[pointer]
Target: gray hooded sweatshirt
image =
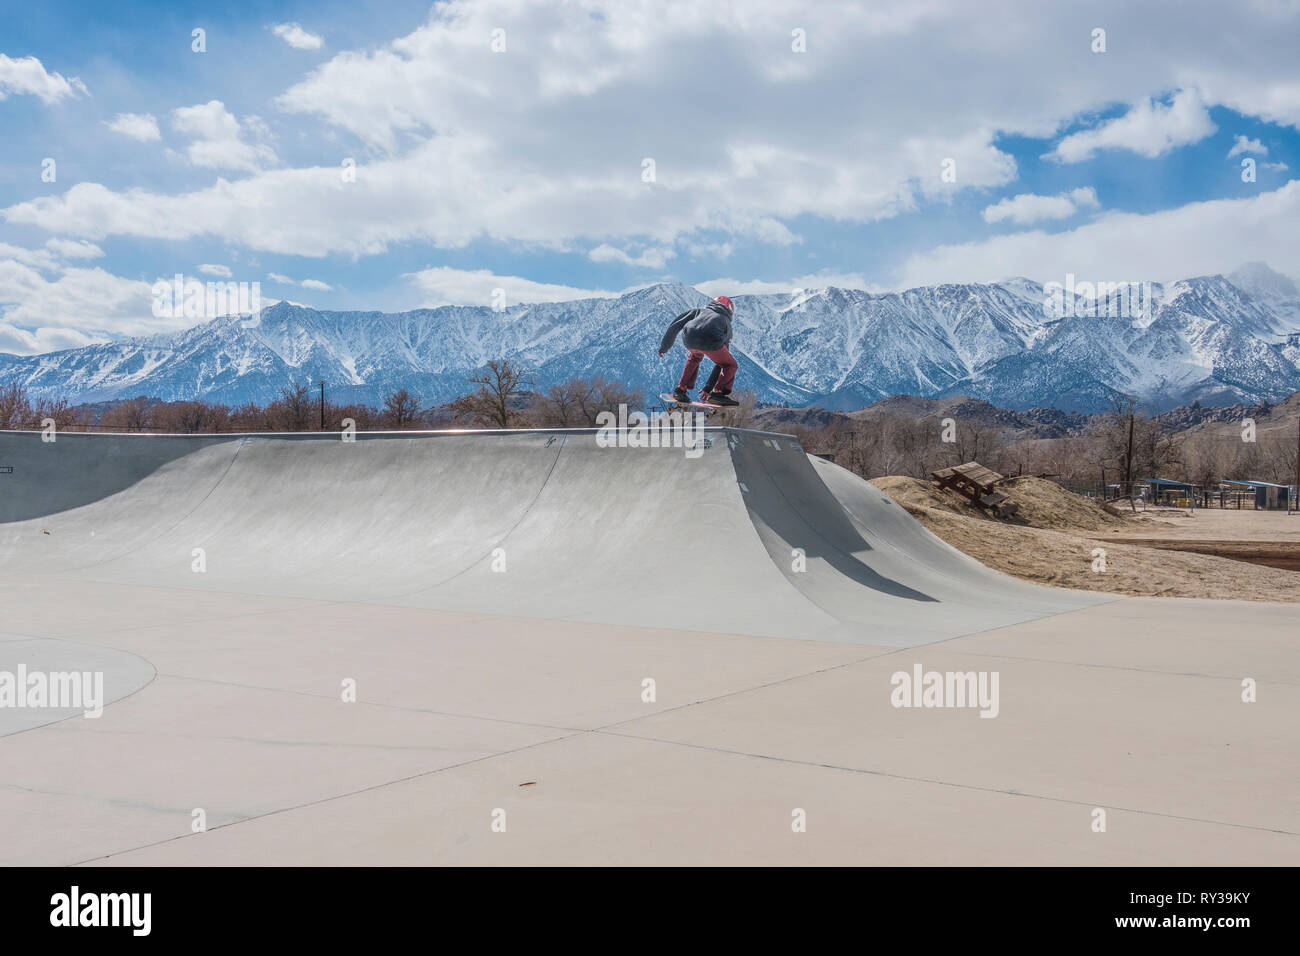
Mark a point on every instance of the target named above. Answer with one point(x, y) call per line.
point(705, 329)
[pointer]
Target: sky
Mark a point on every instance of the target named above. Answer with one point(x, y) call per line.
point(400, 155)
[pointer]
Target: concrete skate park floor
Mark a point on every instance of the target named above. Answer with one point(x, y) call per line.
point(472, 709)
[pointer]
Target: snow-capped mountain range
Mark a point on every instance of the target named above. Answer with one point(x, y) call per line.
point(1215, 339)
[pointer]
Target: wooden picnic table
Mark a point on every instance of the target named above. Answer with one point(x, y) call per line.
point(976, 483)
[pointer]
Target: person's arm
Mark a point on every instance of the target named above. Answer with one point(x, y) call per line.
point(675, 329)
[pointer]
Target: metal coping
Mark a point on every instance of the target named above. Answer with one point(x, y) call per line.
point(387, 433)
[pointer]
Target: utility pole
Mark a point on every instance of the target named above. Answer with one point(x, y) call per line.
point(322, 404)
point(1128, 458)
point(1297, 466)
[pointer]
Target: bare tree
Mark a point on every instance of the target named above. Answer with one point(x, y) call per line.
point(401, 409)
point(917, 443)
point(57, 411)
point(1063, 456)
point(1281, 452)
point(191, 417)
point(131, 415)
point(742, 416)
point(490, 404)
point(561, 406)
point(292, 411)
point(363, 417)
point(15, 409)
point(18, 411)
point(974, 442)
point(1202, 460)
point(248, 417)
point(577, 402)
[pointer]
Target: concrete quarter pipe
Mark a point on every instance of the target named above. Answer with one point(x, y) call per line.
point(746, 537)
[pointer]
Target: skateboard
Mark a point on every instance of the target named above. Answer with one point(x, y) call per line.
point(667, 398)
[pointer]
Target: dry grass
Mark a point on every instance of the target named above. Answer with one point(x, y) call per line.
point(1054, 536)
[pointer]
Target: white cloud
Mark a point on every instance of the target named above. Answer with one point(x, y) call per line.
point(139, 126)
point(305, 283)
point(1028, 208)
point(74, 249)
point(49, 259)
point(27, 75)
point(651, 258)
point(446, 286)
point(1244, 145)
point(1149, 129)
point(298, 38)
point(1196, 239)
point(538, 147)
point(221, 272)
point(218, 138)
point(79, 306)
point(18, 341)
point(1084, 196)
point(35, 258)
point(718, 250)
point(1274, 167)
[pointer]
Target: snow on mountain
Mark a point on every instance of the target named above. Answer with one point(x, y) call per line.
point(1211, 339)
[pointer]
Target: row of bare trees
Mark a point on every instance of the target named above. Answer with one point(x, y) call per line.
point(898, 445)
point(296, 408)
point(1124, 445)
point(502, 399)
point(17, 410)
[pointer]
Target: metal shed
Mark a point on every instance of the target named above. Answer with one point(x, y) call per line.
point(1166, 491)
point(1268, 496)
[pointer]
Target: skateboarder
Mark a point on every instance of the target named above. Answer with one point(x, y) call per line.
point(706, 333)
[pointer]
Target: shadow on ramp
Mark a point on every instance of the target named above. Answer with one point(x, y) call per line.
point(796, 509)
point(78, 468)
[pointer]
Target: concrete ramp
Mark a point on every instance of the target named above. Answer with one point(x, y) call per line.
point(745, 534)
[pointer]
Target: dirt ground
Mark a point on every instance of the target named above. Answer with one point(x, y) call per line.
point(1211, 524)
point(1058, 538)
point(1269, 538)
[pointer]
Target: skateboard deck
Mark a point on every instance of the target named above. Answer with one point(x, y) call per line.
point(674, 402)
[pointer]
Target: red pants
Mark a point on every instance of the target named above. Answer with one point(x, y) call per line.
point(720, 357)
